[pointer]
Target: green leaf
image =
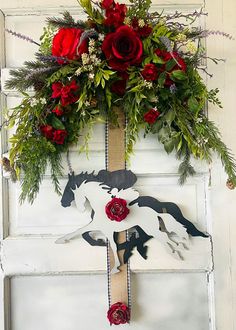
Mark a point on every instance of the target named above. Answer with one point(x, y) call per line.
point(169, 117)
point(162, 79)
point(157, 60)
point(178, 75)
point(169, 145)
point(193, 104)
point(56, 123)
point(170, 64)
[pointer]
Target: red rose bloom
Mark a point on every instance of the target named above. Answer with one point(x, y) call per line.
point(150, 72)
point(118, 313)
point(68, 94)
point(122, 48)
point(66, 44)
point(115, 15)
point(151, 116)
point(144, 31)
point(59, 136)
point(58, 111)
point(47, 131)
point(105, 4)
point(117, 209)
point(119, 87)
point(166, 56)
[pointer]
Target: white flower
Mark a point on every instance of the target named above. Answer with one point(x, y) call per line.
point(141, 23)
point(101, 37)
point(162, 21)
point(180, 37)
point(148, 84)
point(191, 47)
point(78, 71)
point(91, 75)
point(91, 42)
point(43, 101)
point(87, 104)
point(127, 21)
point(33, 102)
point(85, 58)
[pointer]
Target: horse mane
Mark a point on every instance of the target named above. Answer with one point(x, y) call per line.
point(121, 179)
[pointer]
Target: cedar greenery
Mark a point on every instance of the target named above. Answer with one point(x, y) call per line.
point(181, 127)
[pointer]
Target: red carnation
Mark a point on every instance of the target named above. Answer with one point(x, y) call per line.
point(66, 43)
point(47, 131)
point(149, 72)
point(58, 111)
point(144, 31)
point(151, 116)
point(122, 48)
point(119, 87)
point(105, 4)
point(167, 56)
point(59, 136)
point(118, 313)
point(68, 94)
point(117, 209)
point(115, 16)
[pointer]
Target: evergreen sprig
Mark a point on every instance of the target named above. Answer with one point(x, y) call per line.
point(67, 21)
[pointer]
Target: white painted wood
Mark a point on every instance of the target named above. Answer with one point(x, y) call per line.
point(40, 255)
point(32, 250)
point(84, 302)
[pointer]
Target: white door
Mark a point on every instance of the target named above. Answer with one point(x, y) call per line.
point(64, 287)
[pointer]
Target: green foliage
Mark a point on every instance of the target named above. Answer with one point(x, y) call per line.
point(178, 94)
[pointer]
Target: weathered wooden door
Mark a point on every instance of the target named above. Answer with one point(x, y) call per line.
point(63, 287)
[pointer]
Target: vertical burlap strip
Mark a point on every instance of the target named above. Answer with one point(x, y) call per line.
point(116, 161)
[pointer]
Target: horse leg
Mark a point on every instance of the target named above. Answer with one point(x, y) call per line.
point(77, 233)
point(151, 229)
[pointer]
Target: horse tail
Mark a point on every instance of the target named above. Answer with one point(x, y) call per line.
point(172, 209)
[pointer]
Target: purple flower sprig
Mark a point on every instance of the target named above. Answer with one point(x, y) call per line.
point(22, 36)
point(207, 33)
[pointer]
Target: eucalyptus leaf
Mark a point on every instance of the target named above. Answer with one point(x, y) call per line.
point(178, 75)
point(56, 123)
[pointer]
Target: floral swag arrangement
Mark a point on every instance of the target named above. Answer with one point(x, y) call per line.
point(146, 63)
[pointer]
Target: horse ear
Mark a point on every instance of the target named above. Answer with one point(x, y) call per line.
point(72, 175)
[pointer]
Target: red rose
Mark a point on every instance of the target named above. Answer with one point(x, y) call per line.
point(117, 209)
point(66, 44)
point(151, 116)
point(105, 4)
point(59, 136)
point(119, 87)
point(58, 111)
point(166, 56)
point(118, 313)
point(149, 72)
point(68, 94)
point(115, 16)
point(122, 48)
point(144, 31)
point(47, 131)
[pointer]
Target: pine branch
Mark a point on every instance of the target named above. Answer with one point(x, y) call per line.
point(56, 171)
point(185, 168)
point(66, 21)
point(227, 158)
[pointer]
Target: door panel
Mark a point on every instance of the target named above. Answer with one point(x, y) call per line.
point(58, 293)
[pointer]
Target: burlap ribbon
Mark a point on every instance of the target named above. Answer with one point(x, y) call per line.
point(116, 161)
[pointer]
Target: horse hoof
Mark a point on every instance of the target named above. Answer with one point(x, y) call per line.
point(115, 270)
point(61, 241)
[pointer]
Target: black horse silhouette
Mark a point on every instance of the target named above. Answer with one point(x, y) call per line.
point(121, 180)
